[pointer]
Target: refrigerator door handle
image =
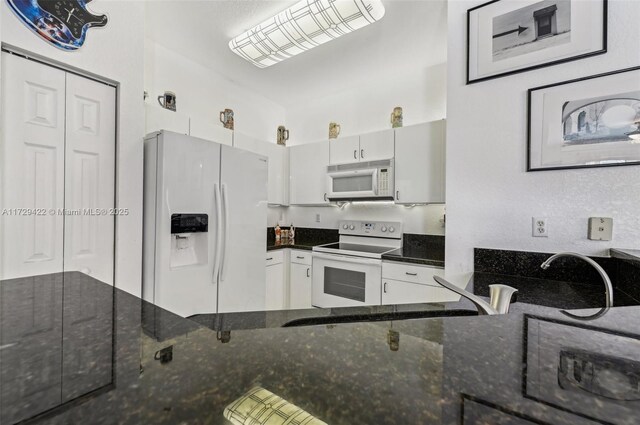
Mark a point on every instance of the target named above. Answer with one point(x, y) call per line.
point(218, 242)
point(225, 207)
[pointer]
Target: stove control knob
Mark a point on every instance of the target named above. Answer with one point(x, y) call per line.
point(352, 227)
point(383, 229)
point(345, 226)
point(392, 229)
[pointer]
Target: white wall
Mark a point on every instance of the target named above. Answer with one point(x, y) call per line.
point(202, 93)
point(114, 52)
point(490, 198)
point(367, 107)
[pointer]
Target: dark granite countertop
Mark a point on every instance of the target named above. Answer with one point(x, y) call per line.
point(408, 255)
point(305, 239)
point(74, 350)
point(550, 293)
point(419, 249)
point(292, 245)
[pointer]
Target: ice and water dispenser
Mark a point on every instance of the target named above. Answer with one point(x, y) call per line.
point(189, 239)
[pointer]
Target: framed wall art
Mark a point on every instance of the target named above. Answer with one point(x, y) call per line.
point(506, 37)
point(584, 123)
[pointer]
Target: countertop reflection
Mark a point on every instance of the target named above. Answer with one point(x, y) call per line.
point(74, 350)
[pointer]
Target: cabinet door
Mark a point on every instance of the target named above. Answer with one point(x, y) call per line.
point(308, 168)
point(275, 287)
point(378, 145)
point(300, 286)
point(276, 155)
point(344, 150)
point(90, 177)
point(398, 292)
point(420, 163)
point(31, 167)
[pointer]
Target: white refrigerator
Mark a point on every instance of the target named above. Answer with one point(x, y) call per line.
point(205, 219)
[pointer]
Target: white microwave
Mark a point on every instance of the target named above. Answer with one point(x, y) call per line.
point(372, 180)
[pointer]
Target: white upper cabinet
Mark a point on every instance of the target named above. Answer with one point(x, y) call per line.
point(420, 163)
point(378, 145)
point(308, 170)
point(278, 172)
point(210, 131)
point(366, 147)
point(344, 150)
point(157, 118)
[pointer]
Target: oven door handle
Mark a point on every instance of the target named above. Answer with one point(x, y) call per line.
point(346, 259)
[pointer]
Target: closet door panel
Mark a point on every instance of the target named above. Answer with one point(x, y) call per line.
point(90, 178)
point(31, 168)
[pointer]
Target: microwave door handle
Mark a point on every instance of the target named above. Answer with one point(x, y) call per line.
point(375, 182)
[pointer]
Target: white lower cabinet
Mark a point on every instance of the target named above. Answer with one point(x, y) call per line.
point(411, 284)
point(275, 281)
point(300, 280)
point(398, 292)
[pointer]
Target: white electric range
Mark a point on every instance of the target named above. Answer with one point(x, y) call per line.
point(349, 272)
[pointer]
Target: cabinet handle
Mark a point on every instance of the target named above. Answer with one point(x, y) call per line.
point(398, 195)
point(308, 270)
point(270, 258)
point(355, 154)
point(411, 274)
point(361, 153)
point(325, 196)
point(300, 257)
point(384, 288)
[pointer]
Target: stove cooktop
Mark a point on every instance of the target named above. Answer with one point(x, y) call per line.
point(354, 249)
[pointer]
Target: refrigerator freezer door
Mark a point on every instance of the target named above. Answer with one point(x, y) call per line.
point(244, 194)
point(188, 173)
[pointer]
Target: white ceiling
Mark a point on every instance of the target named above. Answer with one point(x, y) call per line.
point(410, 37)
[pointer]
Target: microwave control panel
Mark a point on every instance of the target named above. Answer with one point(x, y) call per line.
point(383, 182)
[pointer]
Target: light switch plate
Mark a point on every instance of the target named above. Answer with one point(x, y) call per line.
point(600, 228)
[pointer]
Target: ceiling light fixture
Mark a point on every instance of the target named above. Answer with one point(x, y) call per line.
point(306, 24)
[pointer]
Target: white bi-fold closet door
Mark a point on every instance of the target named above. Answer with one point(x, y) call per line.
point(57, 162)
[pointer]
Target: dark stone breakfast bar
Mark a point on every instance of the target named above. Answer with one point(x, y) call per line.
point(75, 350)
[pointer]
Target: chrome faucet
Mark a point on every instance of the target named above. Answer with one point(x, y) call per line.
point(500, 297)
point(608, 288)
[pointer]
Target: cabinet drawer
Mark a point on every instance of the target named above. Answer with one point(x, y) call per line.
point(410, 273)
point(274, 257)
point(301, 257)
point(397, 292)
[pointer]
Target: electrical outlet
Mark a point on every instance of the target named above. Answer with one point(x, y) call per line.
point(317, 218)
point(600, 228)
point(540, 229)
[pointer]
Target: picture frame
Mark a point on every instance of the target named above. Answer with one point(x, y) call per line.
point(506, 38)
point(562, 363)
point(585, 123)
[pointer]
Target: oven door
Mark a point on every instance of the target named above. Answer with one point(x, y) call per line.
point(345, 281)
point(353, 184)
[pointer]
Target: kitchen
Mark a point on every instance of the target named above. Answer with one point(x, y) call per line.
point(178, 54)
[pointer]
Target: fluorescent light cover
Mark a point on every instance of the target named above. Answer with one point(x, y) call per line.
point(303, 26)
